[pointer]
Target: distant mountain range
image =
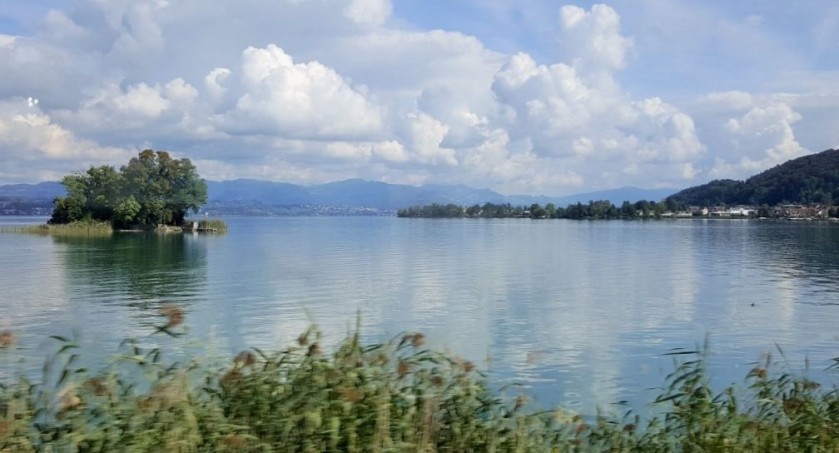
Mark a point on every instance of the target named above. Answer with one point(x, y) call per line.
point(40, 191)
point(383, 196)
point(253, 196)
point(809, 179)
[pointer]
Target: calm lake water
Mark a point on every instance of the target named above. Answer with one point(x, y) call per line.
point(581, 313)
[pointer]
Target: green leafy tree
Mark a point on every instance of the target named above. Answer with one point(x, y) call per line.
point(152, 189)
point(628, 211)
point(125, 213)
point(473, 211)
point(68, 209)
point(550, 208)
point(166, 188)
point(102, 189)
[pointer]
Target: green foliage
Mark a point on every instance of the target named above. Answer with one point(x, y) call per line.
point(397, 396)
point(433, 211)
point(594, 210)
point(152, 189)
point(207, 225)
point(812, 179)
point(68, 209)
point(126, 212)
point(216, 225)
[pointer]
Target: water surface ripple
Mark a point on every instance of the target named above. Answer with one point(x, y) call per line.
point(581, 313)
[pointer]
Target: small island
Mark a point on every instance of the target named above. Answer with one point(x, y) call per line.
point(153, 191)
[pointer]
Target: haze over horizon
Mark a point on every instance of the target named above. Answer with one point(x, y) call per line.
point(521, 97)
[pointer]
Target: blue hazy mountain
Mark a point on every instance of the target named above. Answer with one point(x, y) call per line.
point(41, 191)
point(356, 193)
point(380, 195)
point(618, 196)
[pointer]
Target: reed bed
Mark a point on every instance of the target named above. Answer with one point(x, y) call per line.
point(218, 225)
point(80, 228)
point(394, 397)
point(213, 225)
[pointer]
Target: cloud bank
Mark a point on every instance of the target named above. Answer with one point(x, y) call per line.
point(315, 90)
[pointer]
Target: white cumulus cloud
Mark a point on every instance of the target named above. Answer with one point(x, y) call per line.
point(593, 38)
point(29, 139)
point(764, 137)
point(308, 100)
point(372, 12)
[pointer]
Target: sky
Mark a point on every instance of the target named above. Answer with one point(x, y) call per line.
point(519, 96)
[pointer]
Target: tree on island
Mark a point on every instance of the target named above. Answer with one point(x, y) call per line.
point(152, 189)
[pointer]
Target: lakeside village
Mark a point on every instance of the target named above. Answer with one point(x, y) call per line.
point(786, 211)
point(605, 210)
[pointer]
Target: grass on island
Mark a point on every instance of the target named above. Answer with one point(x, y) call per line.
point(392, 397)
point(79, 228)
point(97, 228)
point(218, 226)
point(206, 225)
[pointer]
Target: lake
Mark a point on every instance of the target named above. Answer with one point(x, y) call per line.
point(581, 313)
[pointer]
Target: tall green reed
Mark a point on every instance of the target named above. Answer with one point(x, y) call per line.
point(397, 396)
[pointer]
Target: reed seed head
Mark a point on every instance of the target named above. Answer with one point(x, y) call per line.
point(402, 368)
point(758, 372)
point(7, 339)
point(417, 340)
point(174, 315)
point(5, 428)
point(166, 395)
point(314, 350)
point(97, 386)
point(351, 394)
point(245, 359)
point(68, 399)
point(810, 385)
point(521, 400)
point(751, 425)
point(234, 442)
point(231, 377)
point(791, 405)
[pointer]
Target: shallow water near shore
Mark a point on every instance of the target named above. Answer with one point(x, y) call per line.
point(580, 313)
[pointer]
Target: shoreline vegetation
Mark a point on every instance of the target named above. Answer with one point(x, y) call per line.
point(90, 227)
point(605, 210)
point(396, 396)
point(79, 228)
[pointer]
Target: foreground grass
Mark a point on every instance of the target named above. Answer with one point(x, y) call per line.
point(397, 396)
point(80, 228)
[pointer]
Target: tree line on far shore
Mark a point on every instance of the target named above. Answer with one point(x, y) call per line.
point(605, 210)
point(594, 210)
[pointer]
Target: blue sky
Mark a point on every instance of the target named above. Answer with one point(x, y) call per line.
point(523, 96)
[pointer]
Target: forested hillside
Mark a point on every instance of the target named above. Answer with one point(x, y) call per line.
point(809, 179)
